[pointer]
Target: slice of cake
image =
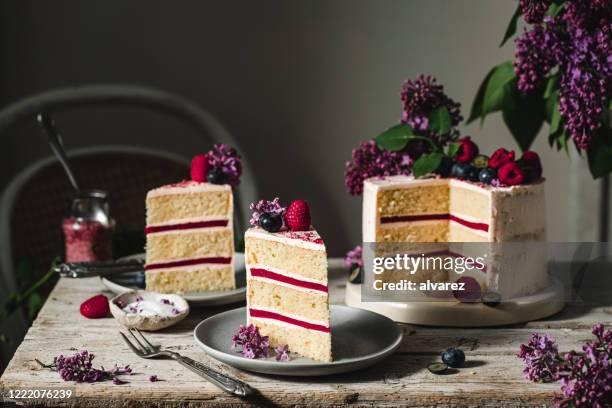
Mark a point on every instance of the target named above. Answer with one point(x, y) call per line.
point(189, 232)
point(287, 292)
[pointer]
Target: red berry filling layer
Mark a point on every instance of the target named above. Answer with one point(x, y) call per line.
point(189, 262)
point(186, 226)
point(432, 217)
point(264, 273)
point(264, 314)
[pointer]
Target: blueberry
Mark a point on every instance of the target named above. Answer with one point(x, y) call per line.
point(481, 161)
point(460, 170)
point(216, 176)
point(487, 175)
point(271, 222)
point(529, 171)
point(453, 357)
point(355, 274)
point(472, 174)
point(437, 368)
point(445, 167)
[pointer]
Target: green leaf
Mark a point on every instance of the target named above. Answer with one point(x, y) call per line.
point(525, 118)
point(555, 8)
point(550, 104)
point(476, 111)
point(552, 85)
point(495, 91)
point(555, 120)
point(511, 25)
point(599, 153)
point(427, 163)
point(453, 148)
point(395, 138)
point(440, 120)
point(498, 92)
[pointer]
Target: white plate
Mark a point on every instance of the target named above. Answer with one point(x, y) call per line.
point(360, 338)
point(127, 282)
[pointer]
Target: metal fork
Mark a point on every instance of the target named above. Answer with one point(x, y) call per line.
point(145, 349)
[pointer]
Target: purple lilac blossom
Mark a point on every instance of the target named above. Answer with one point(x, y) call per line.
point(153, 378)
point(577, 43)
point(228, 161)
point(354, 257)
point(79, 368)
point(253, 344)
point(420, 97)
point(282, 353)
point(368, 160)
point(586, 379)
point(541, 356)
point(265, 206)
point(534, 10)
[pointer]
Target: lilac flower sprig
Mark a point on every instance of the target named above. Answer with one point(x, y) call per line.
point(354, 257)
point(227, 160)
point(541, 357)
point(282, 353)
point(265, 206)
point(420, 97)
point(368, 160)
point(79, 368)
point(576, 42)
point(586, 378)
point(253, 344)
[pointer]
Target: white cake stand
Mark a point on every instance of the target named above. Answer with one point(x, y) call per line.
point(456, 314)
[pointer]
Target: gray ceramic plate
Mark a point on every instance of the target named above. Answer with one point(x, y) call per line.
point(359, 339)
point(130, 281)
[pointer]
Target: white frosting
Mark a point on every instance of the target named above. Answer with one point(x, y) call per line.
point(187, 187)
point(303, 239)
point(188, 220)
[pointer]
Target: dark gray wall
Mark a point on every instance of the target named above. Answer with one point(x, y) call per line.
point(297, 82)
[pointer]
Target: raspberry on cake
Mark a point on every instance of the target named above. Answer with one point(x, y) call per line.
point(287, 292)
point(190, 239)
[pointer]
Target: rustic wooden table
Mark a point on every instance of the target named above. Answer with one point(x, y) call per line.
point(492, 377)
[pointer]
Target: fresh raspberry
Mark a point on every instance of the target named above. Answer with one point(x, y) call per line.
point(199, 168)
point(511, 174)
point(500, 157)
point(471, 290)
point(532, 160)
point(95, 307)
point(467, 150)
point(297, 217)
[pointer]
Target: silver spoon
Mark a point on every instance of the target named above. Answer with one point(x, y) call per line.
point(57, 145)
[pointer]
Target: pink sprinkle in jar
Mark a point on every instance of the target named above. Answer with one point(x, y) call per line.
point(88, 228)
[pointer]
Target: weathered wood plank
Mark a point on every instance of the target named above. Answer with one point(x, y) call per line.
point(492, 378)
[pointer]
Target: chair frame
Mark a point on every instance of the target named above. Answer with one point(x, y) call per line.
point(109, 95)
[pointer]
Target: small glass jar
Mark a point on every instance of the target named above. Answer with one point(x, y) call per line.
point(88, 228)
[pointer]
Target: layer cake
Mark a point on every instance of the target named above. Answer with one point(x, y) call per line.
point(287, 290)
point(190, 240)
point(404, 209)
